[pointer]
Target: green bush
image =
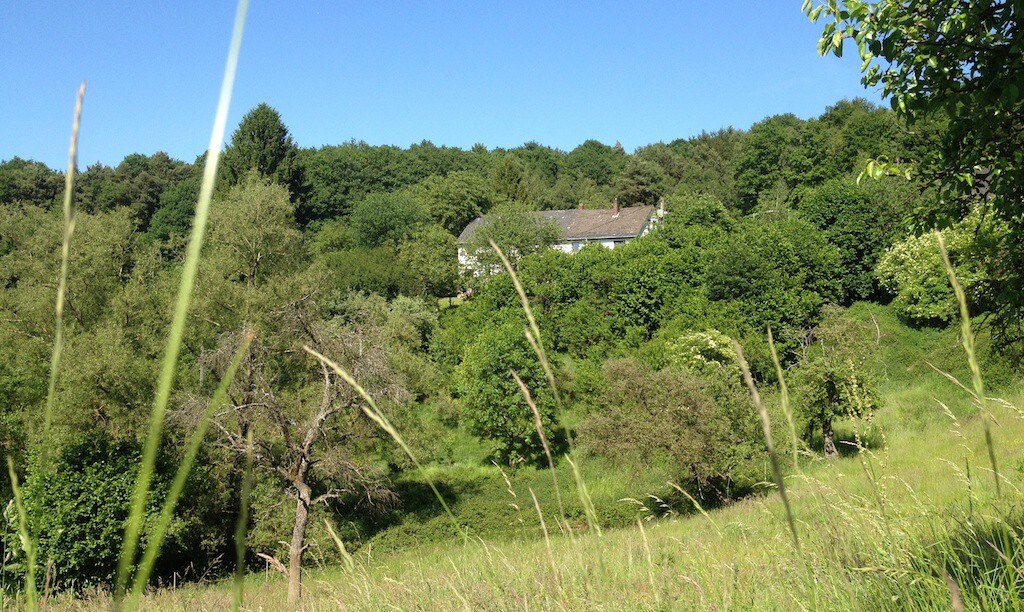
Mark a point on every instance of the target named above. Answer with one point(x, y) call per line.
point(492, 404)
point(913, 270)
point(77, 512)
point(704, 427)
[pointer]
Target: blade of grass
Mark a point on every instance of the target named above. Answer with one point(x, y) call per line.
point(766, 426)
point(241, 526)
point(697, 505)
point(156, 538)
point(186, 287)
point(547, 539)
point(350, 565)
point(972, 357)
point(535, 340)
point(27, 543)
point(371, 410)
point(585, 500)
point(65, 258)
point(539, 425)
point(784, 400)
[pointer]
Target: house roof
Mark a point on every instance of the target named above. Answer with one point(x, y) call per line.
point(586, 224)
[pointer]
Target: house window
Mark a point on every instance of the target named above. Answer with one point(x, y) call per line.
point(618, 243)
point(577, 245)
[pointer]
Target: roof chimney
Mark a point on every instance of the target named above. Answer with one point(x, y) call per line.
point(581, 205)
point(615, 212)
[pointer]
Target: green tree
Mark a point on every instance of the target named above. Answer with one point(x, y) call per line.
point(516, 231)
point(173, 216)
point(262, 143)
point(861, 228)
point(493, 405)
point(456, 199)
point(913, 271)
point(388, 217)
point(27, 181)
point(431, 260)
point(595, 161)
point(508, 179)
point(781, 272)
point(957, 62)
point(832, 381)
point(640, 183)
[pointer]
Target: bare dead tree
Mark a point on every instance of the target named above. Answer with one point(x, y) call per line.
point(308, 421)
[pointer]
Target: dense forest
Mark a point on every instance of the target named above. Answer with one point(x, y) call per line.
point(351, 250)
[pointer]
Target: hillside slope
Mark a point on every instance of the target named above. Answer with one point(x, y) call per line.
point(902, 524)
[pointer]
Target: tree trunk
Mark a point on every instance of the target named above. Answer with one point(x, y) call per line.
point(828, 436)
point(297, 546)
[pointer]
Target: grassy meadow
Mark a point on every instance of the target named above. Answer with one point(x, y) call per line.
point(908, 518)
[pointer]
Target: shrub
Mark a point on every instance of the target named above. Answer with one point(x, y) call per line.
point(77, 511)
point(860, 227)
point(781, 272)
point(384, 217)
point(705, 428)
point(913, 270)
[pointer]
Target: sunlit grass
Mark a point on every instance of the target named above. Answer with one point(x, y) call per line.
point(190, 268)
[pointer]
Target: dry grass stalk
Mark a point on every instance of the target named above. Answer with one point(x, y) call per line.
point(65, 261)
point(967, 337)
point(766, 426)
point(539, 424)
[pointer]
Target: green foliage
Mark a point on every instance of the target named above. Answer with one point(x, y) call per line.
point(77, 511)
point(261, 143)
point(913, 271)
point(254, 232)
point(173, 216)
point(952, 62)
point(456, 199)
point(709, 353)
point(595, 161)
point(705, 429)
point(27, 181)
point(860, 227)
point(641, 183)
point(490, 400)
point(781, 272)
point(516, 231)
point(387, 217)
point(833, 381)
point(431, 262)
point(508, 179)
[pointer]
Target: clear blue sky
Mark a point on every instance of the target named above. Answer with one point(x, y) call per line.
point(498, 73)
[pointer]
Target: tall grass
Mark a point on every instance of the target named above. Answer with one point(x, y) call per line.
point(766, 427)
point(242, 525)
point(163, 521)
point(186, 288)
point(28, 544)
point(967, 339)
point(65, 260)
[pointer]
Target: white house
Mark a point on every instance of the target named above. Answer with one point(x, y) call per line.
point(609, 227)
